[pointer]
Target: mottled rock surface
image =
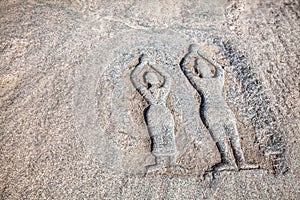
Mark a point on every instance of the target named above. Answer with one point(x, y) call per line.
point(74, 126)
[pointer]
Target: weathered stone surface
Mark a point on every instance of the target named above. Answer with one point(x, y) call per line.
point(149, 99)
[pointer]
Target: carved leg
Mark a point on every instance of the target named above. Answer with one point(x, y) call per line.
point(174, 166)
point(172, 160)
point(237, 149)
point(159, 166)
point(219, 136)
point(226, 163)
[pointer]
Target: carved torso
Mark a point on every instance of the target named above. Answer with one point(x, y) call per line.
point(213, 106)
point(158, 96)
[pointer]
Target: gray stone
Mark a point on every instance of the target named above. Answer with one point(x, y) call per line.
point(149, 99)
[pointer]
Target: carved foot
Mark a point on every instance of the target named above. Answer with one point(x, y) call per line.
point(224, 167)
point(178, 169)
point(155, 168)
point(245, 166)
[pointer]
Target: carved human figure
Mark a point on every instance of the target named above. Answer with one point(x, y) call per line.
point(214, 111)
point(158, 117)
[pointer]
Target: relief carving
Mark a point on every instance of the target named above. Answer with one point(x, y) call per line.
point(138, 115)
point(214, 111)
point(158, 117)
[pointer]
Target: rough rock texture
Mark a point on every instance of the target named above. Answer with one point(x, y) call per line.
point(71, 121)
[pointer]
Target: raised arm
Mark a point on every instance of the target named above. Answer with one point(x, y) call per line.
point(219, 70)
point(167, 78)
point(194, 79)
point(135, 81)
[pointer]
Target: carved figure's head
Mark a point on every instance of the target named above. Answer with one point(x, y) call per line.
point(203, 69)
point(150, 78)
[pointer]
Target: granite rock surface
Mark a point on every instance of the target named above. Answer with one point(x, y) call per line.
point(111, 99)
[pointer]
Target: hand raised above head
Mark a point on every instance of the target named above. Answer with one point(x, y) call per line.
point(144, 59)
point(193, 48)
